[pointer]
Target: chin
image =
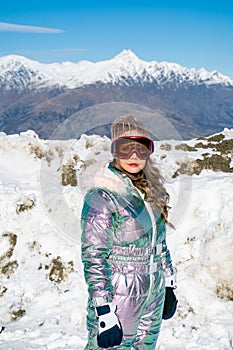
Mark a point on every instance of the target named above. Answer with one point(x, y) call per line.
point(133, 170)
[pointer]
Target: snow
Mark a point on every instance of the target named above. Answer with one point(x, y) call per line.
point(43, 294)
point(20, 72)
point(124, 68)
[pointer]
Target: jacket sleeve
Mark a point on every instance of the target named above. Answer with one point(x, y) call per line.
point(97, 222)
point(166, 261)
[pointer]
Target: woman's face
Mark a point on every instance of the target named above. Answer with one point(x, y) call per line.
point(133, 164)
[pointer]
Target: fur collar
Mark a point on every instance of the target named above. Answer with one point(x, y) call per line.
point(100, 176)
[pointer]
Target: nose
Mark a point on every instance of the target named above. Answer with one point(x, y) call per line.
point(134, 156)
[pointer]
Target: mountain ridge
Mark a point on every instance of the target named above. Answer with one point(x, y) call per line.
point(116, 70)
point(41, 96)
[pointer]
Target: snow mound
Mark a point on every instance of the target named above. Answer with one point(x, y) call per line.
point(43, 293)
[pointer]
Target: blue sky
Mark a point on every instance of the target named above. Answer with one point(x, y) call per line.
point(193, 33)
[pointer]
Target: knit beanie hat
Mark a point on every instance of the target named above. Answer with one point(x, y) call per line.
point(128, 126)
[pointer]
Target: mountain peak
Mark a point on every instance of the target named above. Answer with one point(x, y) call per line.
point(126, 53)
point(16, 59)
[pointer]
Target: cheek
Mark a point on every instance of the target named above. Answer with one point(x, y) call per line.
point(122, 163)
point(143, 163)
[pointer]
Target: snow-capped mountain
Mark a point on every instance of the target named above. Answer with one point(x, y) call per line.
point(124, 68)
point(42, 96)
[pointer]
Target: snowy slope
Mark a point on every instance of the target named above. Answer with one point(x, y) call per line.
point(17, 72)
point(124, 68)
point(42, 290)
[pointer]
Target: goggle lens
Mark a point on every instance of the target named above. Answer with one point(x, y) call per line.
point(125, 147)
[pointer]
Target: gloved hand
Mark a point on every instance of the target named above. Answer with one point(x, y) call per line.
point(170, 303)
point(110, 332)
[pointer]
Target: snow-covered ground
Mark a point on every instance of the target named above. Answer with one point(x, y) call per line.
point(42, 290)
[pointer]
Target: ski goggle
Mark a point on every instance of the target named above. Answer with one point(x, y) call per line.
point(124, 147)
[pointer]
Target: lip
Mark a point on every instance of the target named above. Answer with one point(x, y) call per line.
point(133, 164)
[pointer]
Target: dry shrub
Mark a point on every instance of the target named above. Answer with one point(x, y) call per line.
point(185, 147)
point(24, 205)
point(224, 291)
point(40, 152)
point(68, 174)
point(17, 312)
point(165, 147)
point(8, 266)
point(58, 271)
point(214, 162)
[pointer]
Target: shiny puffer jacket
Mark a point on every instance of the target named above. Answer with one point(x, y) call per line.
point(125, 258)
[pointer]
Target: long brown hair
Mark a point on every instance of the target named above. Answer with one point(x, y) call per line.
point(150, 182)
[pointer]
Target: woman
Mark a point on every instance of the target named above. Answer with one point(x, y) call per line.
point(127, 264)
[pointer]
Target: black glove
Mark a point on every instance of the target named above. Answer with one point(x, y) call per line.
point(110, 332)
point(170, 303)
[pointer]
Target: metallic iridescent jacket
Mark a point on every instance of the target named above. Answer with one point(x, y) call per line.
point(117, 253)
